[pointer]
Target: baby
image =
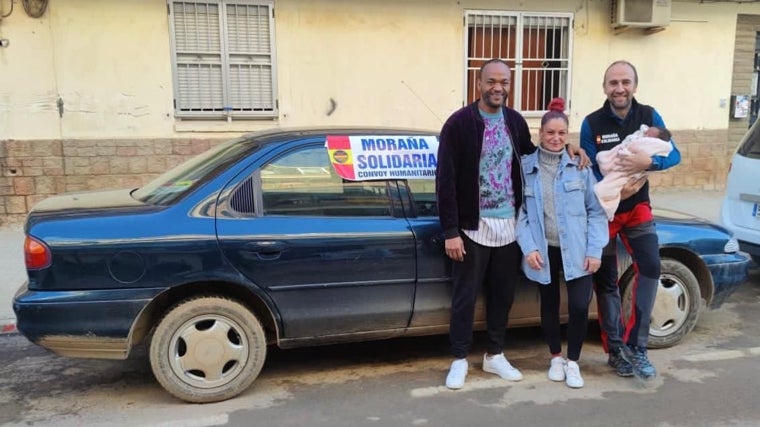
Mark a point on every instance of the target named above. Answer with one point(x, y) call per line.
point(655, 141)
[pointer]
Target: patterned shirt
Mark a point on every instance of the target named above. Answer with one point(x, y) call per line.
point(496, 226)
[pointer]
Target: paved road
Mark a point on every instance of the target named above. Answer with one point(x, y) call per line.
point(710, 379)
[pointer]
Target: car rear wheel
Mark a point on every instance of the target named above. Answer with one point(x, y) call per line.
point(207, 349)
point(676, 307)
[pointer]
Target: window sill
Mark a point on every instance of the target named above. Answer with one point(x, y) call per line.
point(240, 125)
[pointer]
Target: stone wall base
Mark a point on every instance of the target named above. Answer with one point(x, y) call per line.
point(33, 170)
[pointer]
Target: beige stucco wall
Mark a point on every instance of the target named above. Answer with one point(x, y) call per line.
point(390, 62)
point(106, 60)
point(383, 62)
point(685, 70)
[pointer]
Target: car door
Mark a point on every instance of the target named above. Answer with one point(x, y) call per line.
point(433, 298)
point(334, 256)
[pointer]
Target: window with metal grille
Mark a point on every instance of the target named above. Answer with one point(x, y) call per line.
point(537, 46)
point(223, 58)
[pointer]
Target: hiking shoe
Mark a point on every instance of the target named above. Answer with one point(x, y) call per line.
point(557, 369)
point(457, 374)
point(622, 367)
point(573, 377)
point(498, 364)
point(637, 357)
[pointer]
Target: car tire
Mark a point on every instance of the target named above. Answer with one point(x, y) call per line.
point(676, 307)
point(207, 349)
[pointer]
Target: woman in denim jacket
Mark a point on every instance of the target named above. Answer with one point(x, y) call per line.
point(561, 227)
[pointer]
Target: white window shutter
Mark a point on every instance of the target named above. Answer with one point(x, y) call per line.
point(250, 58)
point(223, 59)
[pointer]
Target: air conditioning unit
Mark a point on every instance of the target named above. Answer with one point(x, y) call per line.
point(640, 13)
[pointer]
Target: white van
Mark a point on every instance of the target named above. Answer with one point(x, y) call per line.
point(740, 211)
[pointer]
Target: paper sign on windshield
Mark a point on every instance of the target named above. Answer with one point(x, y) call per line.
point(361, 158)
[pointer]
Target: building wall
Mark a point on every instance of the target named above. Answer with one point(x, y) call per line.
point(743, 68)
point(86, 90)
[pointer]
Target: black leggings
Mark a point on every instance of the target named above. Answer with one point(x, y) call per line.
point(578, 300)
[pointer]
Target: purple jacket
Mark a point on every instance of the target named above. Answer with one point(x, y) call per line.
point(458, 172)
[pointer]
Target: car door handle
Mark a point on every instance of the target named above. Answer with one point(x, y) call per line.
point(266, 250)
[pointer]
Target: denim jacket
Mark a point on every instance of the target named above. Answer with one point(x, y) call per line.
point(582, 224)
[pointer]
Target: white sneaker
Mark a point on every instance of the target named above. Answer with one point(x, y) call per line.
point(557, 368)
point(573, 377)
point(499, 365)
point(457, 374)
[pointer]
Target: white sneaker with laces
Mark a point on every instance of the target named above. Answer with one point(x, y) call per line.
point(557, 368)
point(457, 374)
point(573, 377)
point(498, 364)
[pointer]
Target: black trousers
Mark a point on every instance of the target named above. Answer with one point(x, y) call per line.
point(496, 271)
point(578, 299)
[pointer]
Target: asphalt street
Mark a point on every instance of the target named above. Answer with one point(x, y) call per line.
point(708, 380)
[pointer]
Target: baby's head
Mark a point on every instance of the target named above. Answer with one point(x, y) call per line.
point(658, 132)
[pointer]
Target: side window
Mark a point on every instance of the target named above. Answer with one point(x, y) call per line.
point(303, 183)
point(243, 199)
point(423, 196)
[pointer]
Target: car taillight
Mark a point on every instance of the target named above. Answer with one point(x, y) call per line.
point(36, 253)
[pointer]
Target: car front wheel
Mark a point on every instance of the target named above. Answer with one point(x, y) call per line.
point(207, 349)
point(676, 307)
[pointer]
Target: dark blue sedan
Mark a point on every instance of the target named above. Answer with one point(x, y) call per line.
point(266, 240)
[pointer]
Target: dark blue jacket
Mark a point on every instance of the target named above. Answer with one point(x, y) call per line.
point(457, 176)
point(602, 130)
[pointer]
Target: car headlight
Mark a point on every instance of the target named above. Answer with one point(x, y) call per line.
point(731, 246)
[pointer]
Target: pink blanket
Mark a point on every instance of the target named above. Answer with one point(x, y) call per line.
point(608, 189)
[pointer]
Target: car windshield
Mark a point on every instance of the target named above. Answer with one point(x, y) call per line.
point(173, 184)
point(750, 145)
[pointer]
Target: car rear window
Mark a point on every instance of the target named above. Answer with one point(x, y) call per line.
point(178, 181)
point(750, 144)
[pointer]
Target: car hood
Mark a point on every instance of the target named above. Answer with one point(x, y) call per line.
point(674, 217)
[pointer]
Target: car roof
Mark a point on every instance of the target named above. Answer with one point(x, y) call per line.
point(284, 134)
